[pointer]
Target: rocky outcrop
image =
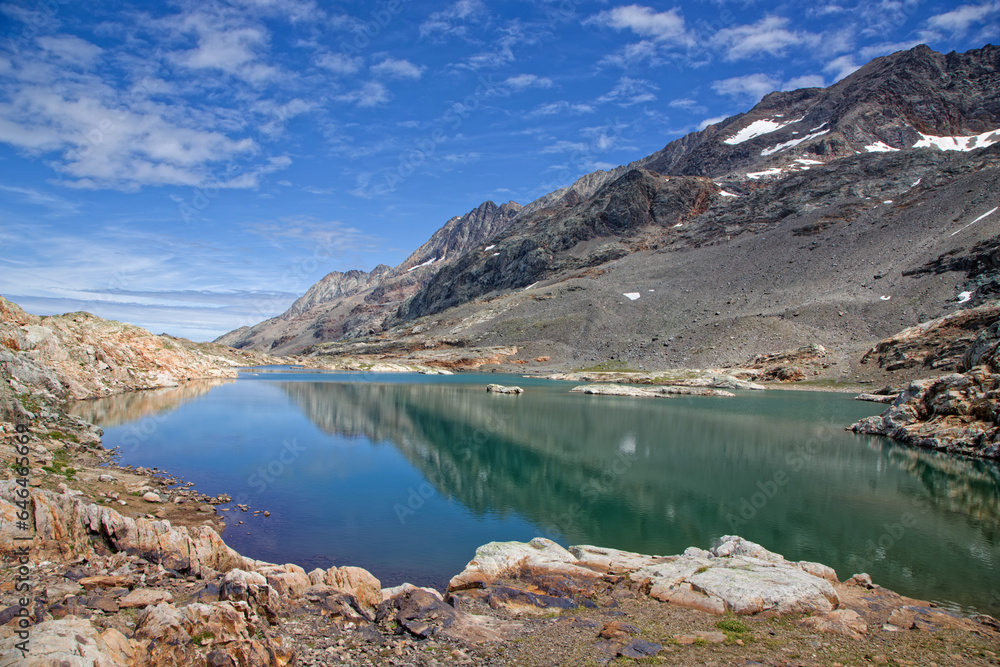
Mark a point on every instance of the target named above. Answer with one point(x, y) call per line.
point(66, 527)
point(957, 413)
point(655, 392)
point(937, 345)
point(79, 355)
point(740, 577)
point(736, 576)
point(501, 389)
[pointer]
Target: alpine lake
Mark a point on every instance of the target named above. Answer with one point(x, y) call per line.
point(405, 475)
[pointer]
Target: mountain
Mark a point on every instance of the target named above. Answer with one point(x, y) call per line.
point(358, 302)
point(831, 215)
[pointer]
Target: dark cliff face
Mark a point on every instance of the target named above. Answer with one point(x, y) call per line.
point(588, 234)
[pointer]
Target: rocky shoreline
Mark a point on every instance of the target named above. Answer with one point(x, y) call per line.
point(126, 566)
point(107, 589)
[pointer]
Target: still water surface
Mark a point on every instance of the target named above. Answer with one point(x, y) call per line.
point(406, 475)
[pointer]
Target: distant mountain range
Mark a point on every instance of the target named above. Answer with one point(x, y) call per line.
point(834, 215)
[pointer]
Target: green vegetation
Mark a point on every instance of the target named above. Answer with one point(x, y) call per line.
point(204, 638)
point(59, 435)
point(733, 625)
point(60, 459)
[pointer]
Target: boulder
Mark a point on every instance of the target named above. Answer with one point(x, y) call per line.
point(172, 636)
point(357, 582)
point(143, 597)
point(290, 581)
point(425, 615)
point(612, 561)
point(71, 642)
point(846, 622)
point(252, 588)
point(500, 389)
point(497, 560)
point(742, 577)
point(616, 390)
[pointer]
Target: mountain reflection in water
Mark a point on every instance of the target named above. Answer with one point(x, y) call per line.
point(654, 476)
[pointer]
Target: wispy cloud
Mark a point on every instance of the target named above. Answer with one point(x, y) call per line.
point(522, 81)
point(644, 21)
point(964, 19)
point(339, 63)
point(397, 69)
point(769, 36)
point(561, 107)
point(56, 204)
point(628, 92)
point(748, 88)
point(370, 94)
point(453, 20)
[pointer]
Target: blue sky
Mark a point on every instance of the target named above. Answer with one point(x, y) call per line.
point(194, 166)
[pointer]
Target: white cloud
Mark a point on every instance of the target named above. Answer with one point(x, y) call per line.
point(451, 21)
point(70, 48)
point(56, 204)
point(522, 81)
point(628, 92)
point(961, 19)
point(751, 87)
point(225, 44)
point(397, 69)
point(565, 147)
point(370, 94)
point(339, 63)
point(462, 158)
point(842, 67)
point(683, 103)
point(769, 36)
point(665, 26)
point(633, 55)
point(561, 107)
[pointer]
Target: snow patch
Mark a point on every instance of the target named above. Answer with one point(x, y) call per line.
point(804, 161)
point(489, 247)
point(793, 142)
point(964, 296)
point(959, 143)
point(916, 182)
point(816, 129)
point(531, 285)
point(773, 171)
point(632, 296)
point(887, 201)
point(427, 263)
point(679, 224)
point(885, 298)
point(756, 129)
point(984, 215)
point(880, 147)
point(727, 194)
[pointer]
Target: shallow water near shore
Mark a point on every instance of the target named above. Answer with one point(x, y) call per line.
point(405, 475)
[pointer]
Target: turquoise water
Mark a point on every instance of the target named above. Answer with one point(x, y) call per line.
point(405, 475)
